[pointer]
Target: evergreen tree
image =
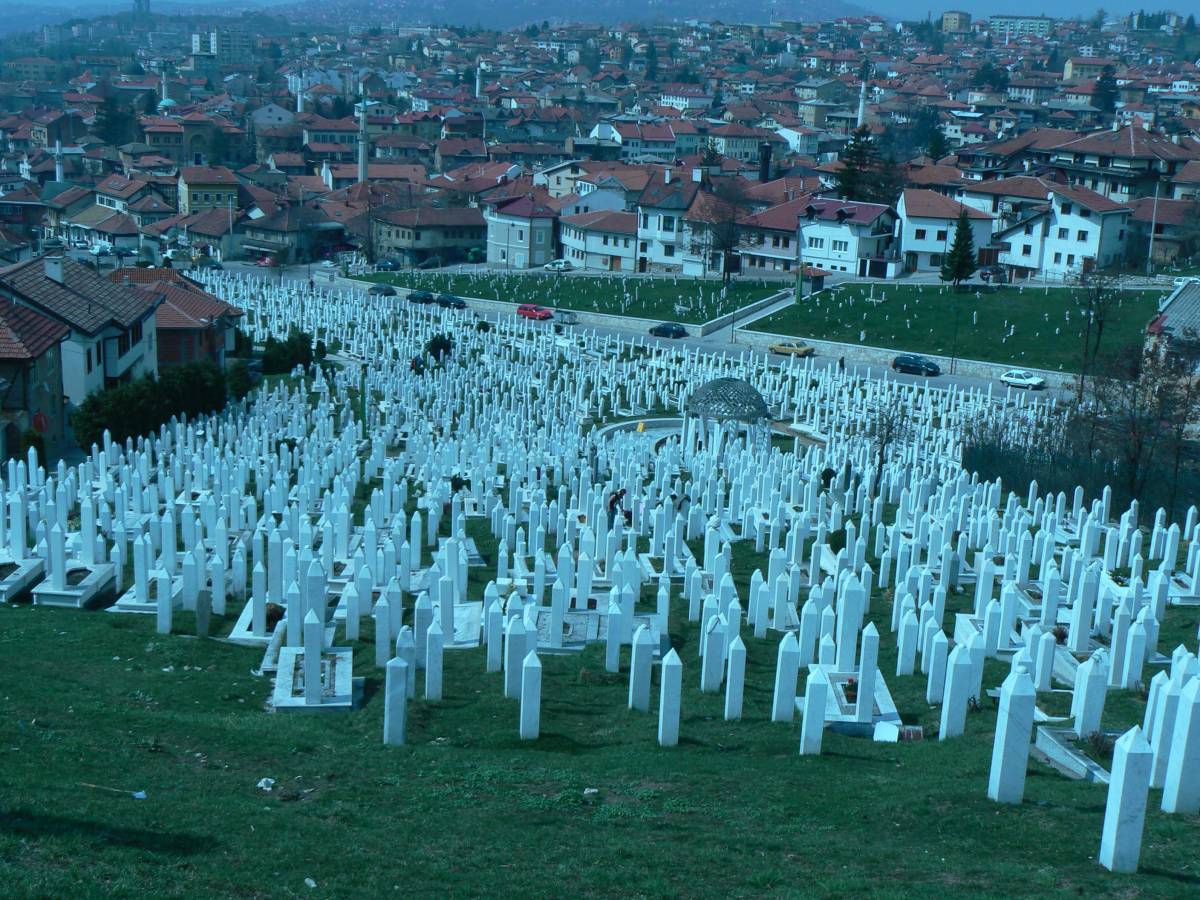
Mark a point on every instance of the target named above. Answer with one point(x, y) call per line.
point(884, 182)
point(652, 61)
point(1105, 98)
point(959, 264)
point(938, 145)
point(113, 122)
point(858, 160)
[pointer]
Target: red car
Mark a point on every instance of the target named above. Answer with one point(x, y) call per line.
point(533, 311)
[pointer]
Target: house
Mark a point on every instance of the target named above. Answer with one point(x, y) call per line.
point(31, 396)
point(601, 239)
point(928, 222)
point(520, 231)
point(1077, 232)
point(206, 187)
point(192, 324)
point(291, 234)
point(661, 208)
point(846, 236)
point(413, 236)
point(1167, 230)
point(112, 329)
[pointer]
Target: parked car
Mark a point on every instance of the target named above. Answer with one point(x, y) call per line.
point(533, 311)
point(566, 317)
point(916, 365)
point(1023, 379)
point(792, 348)
point(994, 275)
point(420, 297)
point(558, 265)
point(266, 261)
point(381, 290)
point(387, 265)
point(1186, 279)
point(669, 330)
point(210, 264)
point(449, 301)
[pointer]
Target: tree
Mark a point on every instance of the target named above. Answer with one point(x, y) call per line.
point(439, 346)
point(1105, 96)
point(959, 264)
point(651, 61)
point(885, 424)
point(114, 122)
point(858, 159)
point(715, 223)
point(1097, 301)
point(938, 145)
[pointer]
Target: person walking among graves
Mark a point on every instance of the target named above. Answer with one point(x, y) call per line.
point(841, 364)
point(614, 505)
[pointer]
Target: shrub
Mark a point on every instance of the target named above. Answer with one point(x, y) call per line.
point(483, 325)
point(238, 380)
point(439, 346)
point(140, 407)
point(280, 357)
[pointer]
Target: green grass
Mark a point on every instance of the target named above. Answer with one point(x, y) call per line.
point(466, 808)
point(647, 298)
point(921, 319)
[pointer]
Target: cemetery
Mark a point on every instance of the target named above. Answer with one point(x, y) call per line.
point(1024, 325)
point(675, 298)
point(557, 612)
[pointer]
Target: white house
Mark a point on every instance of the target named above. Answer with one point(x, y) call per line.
point(112, 335)
point(1077, 232)
point(602, 239)
point(928, 221)
point(835, 235)
point(661, 208)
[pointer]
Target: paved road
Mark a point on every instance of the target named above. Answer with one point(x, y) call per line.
point(720, 341)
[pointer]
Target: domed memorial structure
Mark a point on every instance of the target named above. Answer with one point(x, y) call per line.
point(726, 407)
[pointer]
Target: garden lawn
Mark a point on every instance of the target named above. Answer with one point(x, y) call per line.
point(665, 298)
point(1031, 326)
point(97, 706)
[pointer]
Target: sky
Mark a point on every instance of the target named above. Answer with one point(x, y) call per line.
point(1060, 9)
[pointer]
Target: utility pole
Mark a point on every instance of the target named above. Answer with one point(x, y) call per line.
point(1153, 226)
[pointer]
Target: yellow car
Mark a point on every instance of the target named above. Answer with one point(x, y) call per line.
point(792, 348)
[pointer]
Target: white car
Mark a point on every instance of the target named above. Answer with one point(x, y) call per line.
point(558, 265)
point(1023, 379)
point(1185, 280)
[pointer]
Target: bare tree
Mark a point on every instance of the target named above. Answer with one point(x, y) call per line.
point(887, 423)
point(1096, 301)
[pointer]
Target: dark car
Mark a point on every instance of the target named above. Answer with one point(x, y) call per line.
point(915, 365)
point(387, 265)
point(381, 290)
point(994, 275)
point(420, 297)
point(669, 330)
point(449, 301)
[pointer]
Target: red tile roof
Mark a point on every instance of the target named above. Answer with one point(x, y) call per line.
point(26, 334)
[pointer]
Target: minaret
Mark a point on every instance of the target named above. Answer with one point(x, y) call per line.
point(862, 104)
point(478, 80)
point(58, 169)
point(363, 141)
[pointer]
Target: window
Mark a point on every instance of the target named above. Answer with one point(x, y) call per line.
point(520, 234)
point(1057, 258)
point(920, 234)
point(1070, 259)
point(604, 240)
point(816, 243)
point(645, 220)
point(137, 333)
point(941, 235)
point(503, 255)
point(840, 246)
point(1085, 213)
point(668, 250)
point(540, 237)
point(668, 223)
point(89, 359)
point(1081, 235)
point(1064, 233)
point(642, 247)
point(1029, 229)
point(1066, 208)
point(1027, 250)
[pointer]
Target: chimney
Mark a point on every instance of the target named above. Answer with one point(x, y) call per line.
point(764, 162)
point(667, 175)
point(54, 267)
